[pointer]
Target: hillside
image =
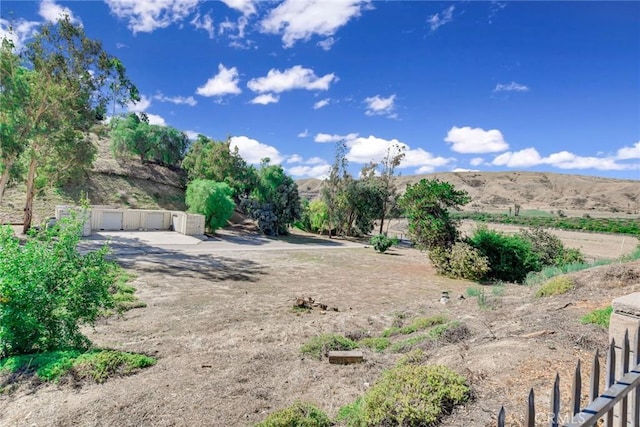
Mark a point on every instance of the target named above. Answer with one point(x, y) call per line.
point(495, 191)
point(128, 183)
point(125, 183)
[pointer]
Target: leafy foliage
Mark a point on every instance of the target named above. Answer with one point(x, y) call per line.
point(215, 161)
point(510, 257)
point(409, 395)
point(600, 317)
point(134, 134)
point(549, 248)
point(426, 205)
point(274, 203)
point(300, 414)
point(95, 364)
point(211, 199)
point(48, 288)
point(462, 261)
point(381, 242)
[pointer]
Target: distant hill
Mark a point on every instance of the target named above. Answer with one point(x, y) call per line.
point(128, 183)
point(496, 191)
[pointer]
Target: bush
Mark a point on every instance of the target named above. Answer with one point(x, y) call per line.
point(545, 245)
point(556, 286)
point(381, 242)
point(570, 256)
point(377, 344)
point(510, 257)
point(409, 395)
point(601, 317)
point(48, 288)
point(300, 414)
point(439, 257)
point(320, 345)
point(211, 199)
point(466, 262)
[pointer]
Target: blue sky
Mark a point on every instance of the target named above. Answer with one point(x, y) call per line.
point(489, 86)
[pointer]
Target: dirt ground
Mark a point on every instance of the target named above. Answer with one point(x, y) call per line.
point(227, 341)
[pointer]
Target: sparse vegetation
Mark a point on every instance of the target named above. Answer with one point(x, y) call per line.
point(408, 395)
point(600, 317)
point(318, 346)
point(556, 286)
point(417, 324)
point(300, 414)
point(378, 344)
point(97, 365)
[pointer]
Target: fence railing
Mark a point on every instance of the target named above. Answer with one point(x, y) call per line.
point(617, 405)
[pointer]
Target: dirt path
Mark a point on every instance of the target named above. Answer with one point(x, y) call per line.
point(227, 341)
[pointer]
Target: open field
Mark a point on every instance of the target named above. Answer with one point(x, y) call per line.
point(227, 340)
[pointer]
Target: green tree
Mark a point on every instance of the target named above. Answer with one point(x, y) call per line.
point(275, 202)
point(48, 289)
point(426, 205)
point(69, 80)
point(132, 134)
point(211, 199)
point(214, 160)
point(364, 202)
point(392, 159)
point(170, 145)
point(334, 190)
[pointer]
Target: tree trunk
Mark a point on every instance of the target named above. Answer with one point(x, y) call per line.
point(382, 220)
point(28, 208)
point(5, 177)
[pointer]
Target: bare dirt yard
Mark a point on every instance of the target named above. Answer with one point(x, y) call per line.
point(228, 343)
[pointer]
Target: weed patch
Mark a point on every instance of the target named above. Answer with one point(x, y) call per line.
point(377, 344)
point(299, 414)
point(556, 286)
point(418, 324)
point(600, 317)
point(320, 345)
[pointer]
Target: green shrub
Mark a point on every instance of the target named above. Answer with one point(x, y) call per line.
point(439, 257)
point(600, 317)
point(381, 242)
point(570, 256)
point(409, 343)
point(417, 324)
point(300, 414)
point(466, 262)
point(546, 246)
point(377, 344)
point(212, 199)
point(48, 289)
point(510, 257)
point(97, 365)
point(320, 345)
point(410, 395)
point(556, 286)
point(351, 414)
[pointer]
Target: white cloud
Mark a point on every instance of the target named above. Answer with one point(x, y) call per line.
point(121, 45)
point(253, 151)
point(529, 157)
point(373, 149)
point(191, 134)
point(518, 159)
point(140, 106)
point(378, 106)
point(295, 158)
point(53, 12)
point(223, 83)
point(21, 31)
point(301, 19)
point(247, 7)
point(311, 171)
point(476, 161)
point(235, 31)
point(155, 119)
point(178, 100)
point(264, 99)
point(295, 77)
point(511, 87)
point(204, 23)
point(325, 137)
point(439, 19)
point(476, 140)
point(147, 16)
point(303, 134)
point(632, 152)
point(326, 44)
point(321, 103)
point(315, 161)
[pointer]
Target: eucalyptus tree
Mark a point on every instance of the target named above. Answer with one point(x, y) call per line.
point(70, 82)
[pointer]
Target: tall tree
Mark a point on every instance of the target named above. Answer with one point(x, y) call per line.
point(394, 156)
point(426, 205)
point(69, 92)
point(215, 160)
point(334, 189)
